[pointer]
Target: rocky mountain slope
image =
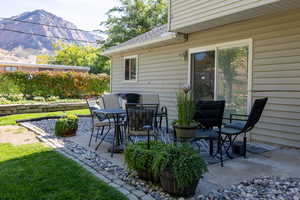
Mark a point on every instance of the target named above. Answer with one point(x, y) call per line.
point(13, 40)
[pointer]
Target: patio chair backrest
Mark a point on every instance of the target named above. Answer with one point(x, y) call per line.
point(255, 114)
point(94, 104)
point(150, 99)
point(140, 115)
point(111, 101)
point(209, 113)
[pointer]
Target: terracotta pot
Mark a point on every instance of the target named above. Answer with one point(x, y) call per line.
point(185, 132)
point(168, 183)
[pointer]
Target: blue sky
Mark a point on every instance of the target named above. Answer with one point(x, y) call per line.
point(85, 14)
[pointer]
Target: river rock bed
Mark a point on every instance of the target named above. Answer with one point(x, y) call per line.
point(260, 188)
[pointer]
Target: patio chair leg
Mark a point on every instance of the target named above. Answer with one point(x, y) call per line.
point(148, 135)
point(102, 139)
point(167, 124)
point(220, 149)
point(211, 147)
point(91, 136)
point(102, 129)
point(245, 145)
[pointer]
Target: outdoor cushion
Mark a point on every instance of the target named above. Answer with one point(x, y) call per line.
point(205, 134)
point(237, 125)
point(230, 131)
point(103, 123)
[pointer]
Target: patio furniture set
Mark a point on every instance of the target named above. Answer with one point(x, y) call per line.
point(134, 116)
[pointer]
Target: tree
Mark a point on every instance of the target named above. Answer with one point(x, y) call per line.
point(71, 54)
point(133, 18)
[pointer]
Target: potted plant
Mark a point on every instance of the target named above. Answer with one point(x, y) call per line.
point(139, 158)
point(179, 169)
point(66, 126)
point(185, 126)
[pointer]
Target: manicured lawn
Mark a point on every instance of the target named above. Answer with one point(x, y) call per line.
point(31, 172)
point(11, 119)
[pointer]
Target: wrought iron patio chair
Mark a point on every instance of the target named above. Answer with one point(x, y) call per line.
point(209, 115)
point(162, 113)
point(111, 101)
point(140, 121)
point(98, 121)
point(229, 134)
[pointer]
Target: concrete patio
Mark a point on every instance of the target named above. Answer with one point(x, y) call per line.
point(278, 162)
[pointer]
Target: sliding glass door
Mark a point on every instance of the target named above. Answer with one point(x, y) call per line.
point(222, 73)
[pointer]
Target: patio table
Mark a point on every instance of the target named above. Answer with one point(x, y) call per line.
point(114, 114)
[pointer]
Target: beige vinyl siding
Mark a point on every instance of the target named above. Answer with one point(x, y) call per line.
point(188, 14)
point(276, 71)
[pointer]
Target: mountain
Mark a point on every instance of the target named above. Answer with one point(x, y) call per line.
point(14, 40)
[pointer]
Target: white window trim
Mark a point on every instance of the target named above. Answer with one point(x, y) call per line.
point(137, 68)
point(215, 47)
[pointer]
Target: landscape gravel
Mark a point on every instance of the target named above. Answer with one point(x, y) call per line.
point(260, 188)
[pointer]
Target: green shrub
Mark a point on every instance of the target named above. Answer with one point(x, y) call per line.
point(13, 97)
point(52, 98)
point(4, 101)
point(56, 83)
point(40, 99)
point(182, 162)
point(139, 157)
point(66, 124)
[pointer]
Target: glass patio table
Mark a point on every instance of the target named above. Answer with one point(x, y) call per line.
point(115, 115)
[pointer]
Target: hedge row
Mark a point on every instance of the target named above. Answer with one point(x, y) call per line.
point(55, 83)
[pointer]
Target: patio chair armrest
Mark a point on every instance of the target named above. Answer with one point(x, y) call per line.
point(147, 127)
point(237, 115)
point(164, 110)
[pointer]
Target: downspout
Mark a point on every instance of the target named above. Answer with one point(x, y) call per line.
point(110, 73)
point(169, 15)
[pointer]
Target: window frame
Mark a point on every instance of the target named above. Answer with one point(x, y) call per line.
point(216, 47)
point(136, 68)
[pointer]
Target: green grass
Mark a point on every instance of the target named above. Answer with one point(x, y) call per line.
point(11, 119)
point(31, 172)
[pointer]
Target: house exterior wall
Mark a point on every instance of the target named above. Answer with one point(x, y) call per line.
point(276, 71)
point(192, 15)
point(184, 13)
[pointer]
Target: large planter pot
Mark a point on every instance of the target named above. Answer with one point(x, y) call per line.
point(147, 176)
point(185, 132)
point(69, 133)
point(168, 183)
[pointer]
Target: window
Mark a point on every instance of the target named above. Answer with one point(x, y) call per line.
point(223, 72)
point(10, 69)
point(131, 68)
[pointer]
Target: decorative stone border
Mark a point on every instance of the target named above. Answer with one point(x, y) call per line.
point(116, 176)
point(39, 108)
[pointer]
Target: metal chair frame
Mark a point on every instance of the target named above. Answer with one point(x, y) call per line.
point(232, 133)
point(145, 122)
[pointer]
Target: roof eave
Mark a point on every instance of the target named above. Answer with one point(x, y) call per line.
point(163, 38)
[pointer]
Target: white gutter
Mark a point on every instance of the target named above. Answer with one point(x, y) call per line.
point(164, 37)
